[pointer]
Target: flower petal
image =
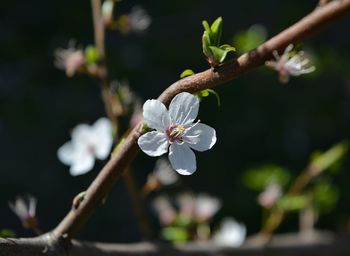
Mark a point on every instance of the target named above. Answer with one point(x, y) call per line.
point(156, 115)
point(154, 143)
point(200, 137)
point(81, 134)
point(182, 159)
point(65, 153)
point(82, 163)
point(183, 108)
point(102, 136)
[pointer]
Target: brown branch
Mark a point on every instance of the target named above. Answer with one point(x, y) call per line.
point(321, 244)
point(323, 2)
point(104, 182)
point(99, 33)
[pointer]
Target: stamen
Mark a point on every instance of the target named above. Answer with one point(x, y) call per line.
point(193, 125)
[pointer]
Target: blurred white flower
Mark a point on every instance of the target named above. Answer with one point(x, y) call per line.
point(164, 173)
point(201, 207)
point(230, 234)
point(270, 195)
point(186, 203)
point(88, 143)
point(206, 207)
point(71, 60)
point(175, 130)
point(164, 209)
point(287, 65)
point(25, 208)
point(107, 11)
point(138, 20)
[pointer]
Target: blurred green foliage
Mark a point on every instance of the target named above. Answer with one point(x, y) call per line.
point(258, 178)
point(246, 40)
point(7, 233)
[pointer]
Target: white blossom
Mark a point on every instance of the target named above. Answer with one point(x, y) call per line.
point(71, 60)
point(287, 65)
point(201, 207)
point(164, 209)
point(138, 20)
point(230, 234)
point(87, 143)
point(270, 195)
point(176, 132)
point(164, 173)
point(107, 10)
point(25, 208)
point(206, 207)
point(186, 202)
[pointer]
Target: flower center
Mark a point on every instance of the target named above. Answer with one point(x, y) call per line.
point(91, 149)
point(175, 133)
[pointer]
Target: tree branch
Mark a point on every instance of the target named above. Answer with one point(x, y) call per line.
point(322, 244)
point(99, 33)
point(112, 171)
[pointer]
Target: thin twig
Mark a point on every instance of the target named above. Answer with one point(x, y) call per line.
point(105, 180)
point(137, 204)
point(99, 32)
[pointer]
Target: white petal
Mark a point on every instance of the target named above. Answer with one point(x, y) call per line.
point(231, 233)
point(183, 108)
point(66, 153)
point(154, 143)
point(82, 163)
point(201, 137)
point(19, 208)
point(102, 136)
point(82, 134)
point(156, 115)
point(164, 172)
point(182, 159)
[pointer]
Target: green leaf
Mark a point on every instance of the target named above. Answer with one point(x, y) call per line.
point(206, 44)
point(292, 203)
point(206, 26)
point(91, 54)
point(211, 40)
point(175, 234)
point(187, 72)
point(249, 39)
point(7, 233)
point(216, 31)
point(323, 161)
point(228, 48)
point(182, 221)
point(207, 92)
point(218, 54)
point(325, 196)
point(258, 178)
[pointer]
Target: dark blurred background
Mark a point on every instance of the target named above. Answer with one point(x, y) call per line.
point(260, 120)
